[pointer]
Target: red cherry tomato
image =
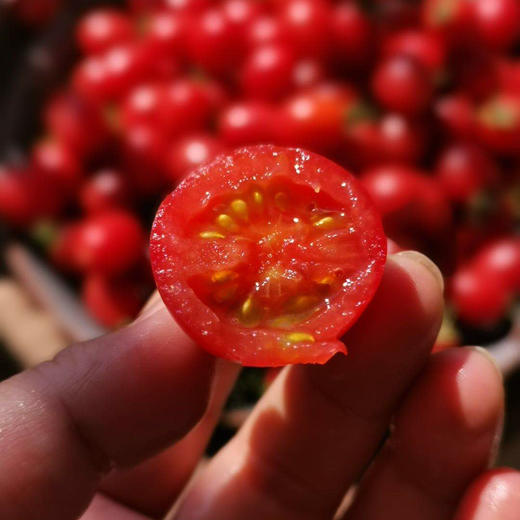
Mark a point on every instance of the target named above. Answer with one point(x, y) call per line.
point(265, 30)
point(402, 84)
point(267, 256)
point(426, 48)
point(189, 105)
point(102, 29)
point(248, 122)
point(75, 123)
point(496, 22)
point(307, 73)
point(453, 18)
point(57, 165)
point(190, 152)
point(456, 115)
point(105, 190)
point(214, 42)
point(165, 34)
point(16, 196)
point(464, 170)
point(351, 34)
point(498, 123)
point(414, 209)
point(185, 6)
point(143, 151)
point(478, 300)
point(500, 259)
point(62, 247)
point(113, 302)
point(307, 25)
point(315, 118)
point(109, 243)
point(109, 75)
point(267, 72)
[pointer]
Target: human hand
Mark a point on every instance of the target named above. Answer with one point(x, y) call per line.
point(125, 418)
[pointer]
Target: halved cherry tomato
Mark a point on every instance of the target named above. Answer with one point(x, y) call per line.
point(268, 255)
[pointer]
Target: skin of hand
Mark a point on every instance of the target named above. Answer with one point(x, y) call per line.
point(115, 428)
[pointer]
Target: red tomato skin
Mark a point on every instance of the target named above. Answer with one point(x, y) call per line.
point(315, 118)
point(105, 190)
point(426, 48)
point(75, 123)
point(214, 42)
point(101, 29)
point(189, 153)
point(241, 344)
point(456, 115)
point(165, 35)
point(265, 30)
point(477, 299)
point(496, 22)
point(351, 34)
point(307, 24)
point(414, 209)
point(464, 170)
point(113, 302)
point(16, 201)
point(500, 259)
point(498, 123)
point(402, 84)
point(267, 72)
point(109, 243)
point(58, 165)
point(246, 122)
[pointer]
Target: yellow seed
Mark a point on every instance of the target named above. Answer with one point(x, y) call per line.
point(223, 276)
point(226, 222)
point(324, 223)
point(326, 280)
point(211, 234)
point(239, 207)
point(247, 307)
point(258, 198)
point(280, 199)
point(302, 303)
point(300, 337)
point(249, 313)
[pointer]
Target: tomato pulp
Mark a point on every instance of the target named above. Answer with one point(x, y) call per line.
point(268, 255)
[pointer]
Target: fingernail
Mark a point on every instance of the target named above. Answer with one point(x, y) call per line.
point(425, 262)
point(152, 305)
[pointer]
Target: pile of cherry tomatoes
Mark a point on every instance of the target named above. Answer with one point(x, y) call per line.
point(420, 99)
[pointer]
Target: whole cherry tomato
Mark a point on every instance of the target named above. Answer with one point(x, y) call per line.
point(315, 118)
point(102, 29)
point(402, 84)
point(477, 299)
point(106, 189)
point(109, 243)
point(267, 72)
point(190, 152)
point(464, 170)
point(247, 122)
point(112, 301)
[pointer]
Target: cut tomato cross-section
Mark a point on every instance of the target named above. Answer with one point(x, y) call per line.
point(268, 255)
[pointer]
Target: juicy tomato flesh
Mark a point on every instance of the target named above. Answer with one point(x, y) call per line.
point(280, 267)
